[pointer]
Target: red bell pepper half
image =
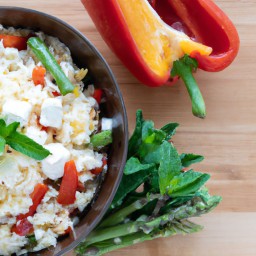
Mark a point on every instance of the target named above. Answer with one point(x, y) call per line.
point(205, 22)
point(69, 184)
point(151, 36)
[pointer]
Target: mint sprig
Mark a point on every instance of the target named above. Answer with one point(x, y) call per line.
point(156, 197)
point(20, 142)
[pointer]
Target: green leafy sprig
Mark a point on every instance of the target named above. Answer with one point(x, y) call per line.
point(156, 197)
point(20, 142)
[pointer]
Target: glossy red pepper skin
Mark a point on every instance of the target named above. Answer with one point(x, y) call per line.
point(205, 22)
point(111, 24)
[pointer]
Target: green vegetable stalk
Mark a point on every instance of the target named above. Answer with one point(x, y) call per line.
point(43, 54)
point(168, 199)
point(184, 68)
point(101, 139)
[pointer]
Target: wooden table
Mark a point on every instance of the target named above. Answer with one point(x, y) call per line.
point(227, 138)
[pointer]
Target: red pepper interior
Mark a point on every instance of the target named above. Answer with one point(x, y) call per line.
point(200, 25)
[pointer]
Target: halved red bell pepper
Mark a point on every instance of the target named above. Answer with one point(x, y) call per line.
point(205, 22)
point(149, 47)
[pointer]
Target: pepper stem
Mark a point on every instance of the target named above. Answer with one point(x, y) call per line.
point(184, 68)
point(198, 105)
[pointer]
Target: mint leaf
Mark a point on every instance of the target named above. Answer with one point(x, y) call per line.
point(133, 165)
point(135, 140)
point(129, 183)
point(12, 128)
point(27, 146)
point(20, 142)
point(187, 183)
point(170, 130)
point(170, 165)
point(7, 130)
point(2, 145)
point(189, 159)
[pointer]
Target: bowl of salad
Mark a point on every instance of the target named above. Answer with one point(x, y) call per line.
point(63, 134)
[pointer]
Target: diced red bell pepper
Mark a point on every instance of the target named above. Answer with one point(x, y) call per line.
point(18, 42)
point(98, 170)
point(97, 95)
point(67, 231)
point(37, 196)
point(23, 226)
point(127, 27)
point(69, 184)
point(38, 75)
point(56, 94)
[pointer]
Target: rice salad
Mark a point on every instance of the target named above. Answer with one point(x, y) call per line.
point(32, 215)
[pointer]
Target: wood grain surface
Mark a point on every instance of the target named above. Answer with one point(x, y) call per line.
point(227, 137)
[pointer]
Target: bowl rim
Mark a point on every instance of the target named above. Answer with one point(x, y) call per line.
point(125, 124)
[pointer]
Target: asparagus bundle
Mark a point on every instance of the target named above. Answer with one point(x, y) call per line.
point(156, 196)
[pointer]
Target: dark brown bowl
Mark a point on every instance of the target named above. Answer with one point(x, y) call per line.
point(84, 55)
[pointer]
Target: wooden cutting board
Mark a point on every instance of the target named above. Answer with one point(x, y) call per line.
point(227, 138)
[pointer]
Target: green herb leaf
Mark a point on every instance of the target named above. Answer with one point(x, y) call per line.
point(133, 165)
point(184, 68)
point(2, 145)
point(170, 130)
point(129, 184)
point(170, 165)
point(27, 146)
point(151, 185)
point(136, 138)
point(189, 159)
point(187, 183)
point(20, 142)
point(153, 166)
point(8, 130)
